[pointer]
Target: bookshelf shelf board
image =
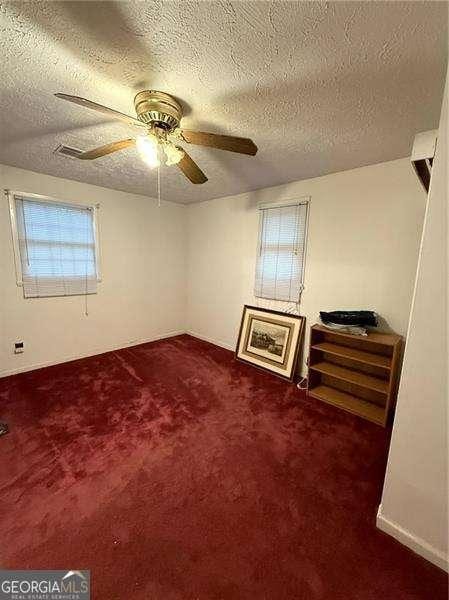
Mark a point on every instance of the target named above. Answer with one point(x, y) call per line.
point(350, 403)
point(368, 358)
point(355, 377)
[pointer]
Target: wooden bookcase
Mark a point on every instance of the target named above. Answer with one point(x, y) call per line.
point(356, 373)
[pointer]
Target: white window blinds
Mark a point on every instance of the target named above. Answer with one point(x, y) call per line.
point(280, 261)
point(56, 244)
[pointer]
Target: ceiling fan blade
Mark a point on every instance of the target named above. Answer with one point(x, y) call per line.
point(110, 112)
point(107, 149)
point(191, 170)
point(223, 142)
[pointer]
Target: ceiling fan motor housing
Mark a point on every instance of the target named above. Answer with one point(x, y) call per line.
point(158, 108)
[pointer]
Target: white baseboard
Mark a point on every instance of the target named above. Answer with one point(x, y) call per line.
point(93, 352)
point(211, 340)
point(413, 542)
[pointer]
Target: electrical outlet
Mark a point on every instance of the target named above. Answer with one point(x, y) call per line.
point(18, 347)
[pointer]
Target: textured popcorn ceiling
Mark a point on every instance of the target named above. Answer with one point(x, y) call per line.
point(320, 87)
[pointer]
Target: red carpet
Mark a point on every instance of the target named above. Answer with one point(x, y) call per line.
point(175, 473)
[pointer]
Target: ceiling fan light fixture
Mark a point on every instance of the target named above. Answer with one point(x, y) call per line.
point(148, 146)
point(173, 153)
point(159, 115)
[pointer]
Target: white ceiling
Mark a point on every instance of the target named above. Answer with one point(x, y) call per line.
point(320, 87)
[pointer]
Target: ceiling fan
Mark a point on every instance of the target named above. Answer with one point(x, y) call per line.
point(158, 119)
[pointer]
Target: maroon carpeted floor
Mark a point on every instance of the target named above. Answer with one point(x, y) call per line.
point(175, 473)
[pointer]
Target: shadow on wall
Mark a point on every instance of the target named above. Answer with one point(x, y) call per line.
point(101, 37)
point(323, 114)
point(382, 326)
point(35, 130)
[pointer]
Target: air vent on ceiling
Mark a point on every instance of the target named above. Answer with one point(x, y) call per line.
point(67, 151)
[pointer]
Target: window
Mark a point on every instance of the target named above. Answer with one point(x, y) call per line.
point(55, 246)
point(281, 252)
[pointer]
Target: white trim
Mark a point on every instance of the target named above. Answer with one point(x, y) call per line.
point(306, 243)
point(200, 336)
point(96, 227)
point(43, 198)
point(413, 542)
point(93, 352)
point(15, 237)
point(283, 203)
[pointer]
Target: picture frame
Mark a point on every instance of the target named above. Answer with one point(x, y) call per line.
point(270, 340)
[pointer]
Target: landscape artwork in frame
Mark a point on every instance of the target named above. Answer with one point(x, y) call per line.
point(270, 340)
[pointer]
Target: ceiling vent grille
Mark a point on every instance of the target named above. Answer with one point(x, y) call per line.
point(67, 151)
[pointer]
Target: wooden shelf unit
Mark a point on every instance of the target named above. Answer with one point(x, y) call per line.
point(356, 373)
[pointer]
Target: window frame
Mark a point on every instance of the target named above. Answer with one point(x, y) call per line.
point(12, 194)
point(302, 200)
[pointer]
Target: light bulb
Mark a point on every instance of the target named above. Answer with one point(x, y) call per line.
point(173, 154)
point(147, 146)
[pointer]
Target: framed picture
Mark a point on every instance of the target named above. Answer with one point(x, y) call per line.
point(270, 340)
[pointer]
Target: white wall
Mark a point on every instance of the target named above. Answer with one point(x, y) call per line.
point(414, 505)
point(364, 231)
point(141, 297)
